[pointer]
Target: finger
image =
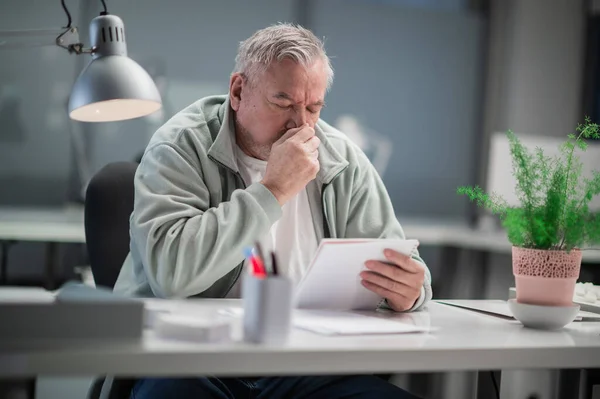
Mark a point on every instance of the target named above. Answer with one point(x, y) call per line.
point(393, 272)
point(290, 133)
point(405, 262)
point(303, 134)
point(399, 288)
point(312, 144)
point(314, 156)
point(387, 294)
point(317, 166)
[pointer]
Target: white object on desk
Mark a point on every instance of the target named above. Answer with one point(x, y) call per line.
point(332, 281)
point(334, 322)
point(191, 328)
point(543, 317)
point(587, 293)
point(328, 322)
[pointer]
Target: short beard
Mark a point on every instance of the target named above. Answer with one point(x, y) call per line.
point(247, 144)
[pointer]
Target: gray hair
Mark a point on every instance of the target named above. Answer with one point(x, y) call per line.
point(277, 42)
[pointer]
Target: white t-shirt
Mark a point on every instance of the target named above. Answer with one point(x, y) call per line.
point(292, 237)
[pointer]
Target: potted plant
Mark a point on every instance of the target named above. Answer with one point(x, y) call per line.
point(553, 222)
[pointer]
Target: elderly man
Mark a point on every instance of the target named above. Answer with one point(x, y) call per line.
point(259, 164)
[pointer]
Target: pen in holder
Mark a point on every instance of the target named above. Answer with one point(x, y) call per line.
point(267, 299)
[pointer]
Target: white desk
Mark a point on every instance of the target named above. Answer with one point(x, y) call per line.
point(49, 225)
point(463, 340)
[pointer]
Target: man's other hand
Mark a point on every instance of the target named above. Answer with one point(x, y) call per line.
point(399, 280)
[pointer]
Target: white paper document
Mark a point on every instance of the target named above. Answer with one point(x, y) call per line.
point(333, 279)
point(331, 322)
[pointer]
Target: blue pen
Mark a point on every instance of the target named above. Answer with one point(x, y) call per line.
point(248, 253)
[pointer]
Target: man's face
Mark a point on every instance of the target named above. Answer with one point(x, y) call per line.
point(285, 96)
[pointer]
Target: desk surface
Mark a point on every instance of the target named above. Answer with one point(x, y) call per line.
point(42, 224)
point(462, 340)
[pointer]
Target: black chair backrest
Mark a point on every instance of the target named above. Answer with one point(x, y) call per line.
point(108, 206)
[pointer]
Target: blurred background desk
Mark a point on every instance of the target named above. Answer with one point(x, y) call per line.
point(51, 226)
point(455, 237)
point(63, 225)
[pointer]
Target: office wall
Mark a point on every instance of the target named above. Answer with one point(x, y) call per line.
point(414, 75)
point(34, 87)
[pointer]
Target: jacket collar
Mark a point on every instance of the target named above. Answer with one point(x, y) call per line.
point(222, 150)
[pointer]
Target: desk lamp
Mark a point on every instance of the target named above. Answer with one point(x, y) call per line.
point(112, 87)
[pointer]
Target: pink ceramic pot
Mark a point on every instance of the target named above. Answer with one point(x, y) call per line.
point(545, 277)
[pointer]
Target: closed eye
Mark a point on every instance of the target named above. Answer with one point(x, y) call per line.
point(281, 106)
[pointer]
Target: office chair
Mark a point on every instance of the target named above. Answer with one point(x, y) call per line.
point(108, 205)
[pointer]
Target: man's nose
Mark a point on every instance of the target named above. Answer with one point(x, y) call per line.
point(297, 119)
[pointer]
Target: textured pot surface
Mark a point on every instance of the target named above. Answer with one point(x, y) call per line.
point(544, 277)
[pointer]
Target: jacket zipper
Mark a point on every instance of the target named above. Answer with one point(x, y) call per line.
point(326, 229)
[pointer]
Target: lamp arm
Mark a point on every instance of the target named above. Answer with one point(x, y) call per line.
point(69, 40)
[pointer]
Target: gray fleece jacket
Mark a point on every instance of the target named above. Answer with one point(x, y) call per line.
point(193, 214)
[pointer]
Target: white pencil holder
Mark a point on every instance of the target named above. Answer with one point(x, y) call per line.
point(267, 309)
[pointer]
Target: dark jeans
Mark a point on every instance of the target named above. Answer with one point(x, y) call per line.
point(317, 387)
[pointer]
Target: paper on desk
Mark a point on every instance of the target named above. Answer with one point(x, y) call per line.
point(332, 322)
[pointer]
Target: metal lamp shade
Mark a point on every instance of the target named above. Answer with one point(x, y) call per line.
point(112, 87)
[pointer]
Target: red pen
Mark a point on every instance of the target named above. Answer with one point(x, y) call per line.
point(258, 268)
